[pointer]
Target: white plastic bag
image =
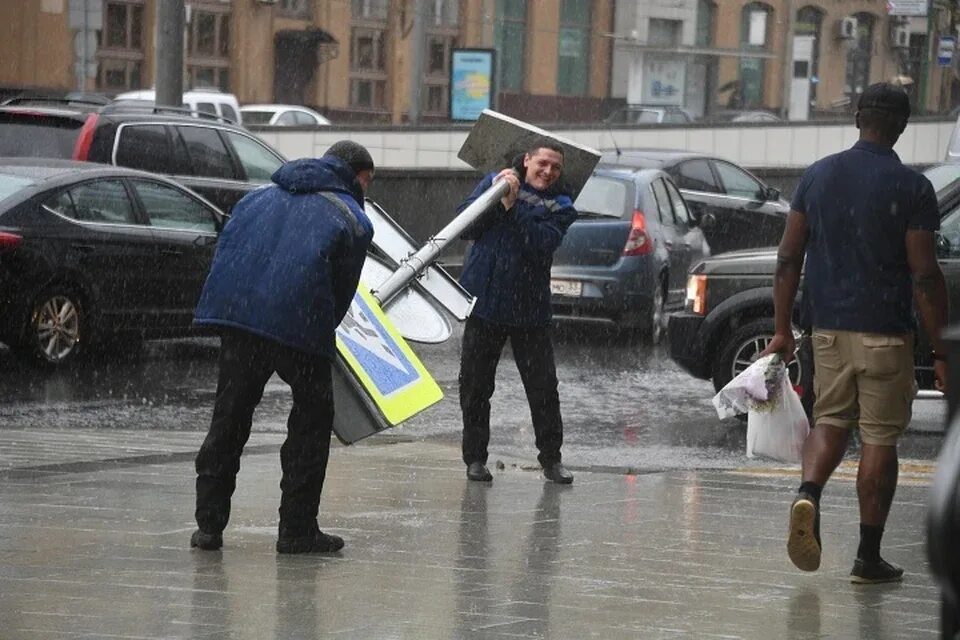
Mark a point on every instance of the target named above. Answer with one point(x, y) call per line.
point(749, 387)
point(778, 429)
point(777, 425)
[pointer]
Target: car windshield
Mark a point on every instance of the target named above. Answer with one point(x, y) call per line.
point(11, 184)
point(602, 197)
point(256, 117)
point(943, 176)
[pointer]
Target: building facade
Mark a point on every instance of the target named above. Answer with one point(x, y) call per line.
point(351, 59)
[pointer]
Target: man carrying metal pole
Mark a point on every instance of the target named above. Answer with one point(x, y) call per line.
point(508, 270)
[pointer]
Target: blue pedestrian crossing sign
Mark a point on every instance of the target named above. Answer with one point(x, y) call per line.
point(383, 363)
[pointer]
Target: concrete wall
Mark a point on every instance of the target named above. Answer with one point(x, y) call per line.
point(781, 146)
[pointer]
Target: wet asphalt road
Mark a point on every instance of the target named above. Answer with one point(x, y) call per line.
point(625, 404)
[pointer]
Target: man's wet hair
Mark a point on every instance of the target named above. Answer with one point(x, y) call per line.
point(884, 108)
point(544, 142)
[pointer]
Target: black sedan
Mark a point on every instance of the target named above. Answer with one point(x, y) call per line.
point(92, 254)
point(735, 209)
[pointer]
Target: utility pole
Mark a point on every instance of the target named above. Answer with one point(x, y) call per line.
point(171, 17)
point(416, 59)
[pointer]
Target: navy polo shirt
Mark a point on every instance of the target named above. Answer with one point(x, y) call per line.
point(859, 204)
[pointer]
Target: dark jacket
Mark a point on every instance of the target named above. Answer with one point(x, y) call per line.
point(288, 261)
point(508, 266)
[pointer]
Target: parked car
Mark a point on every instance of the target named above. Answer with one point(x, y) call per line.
point(211, 101)
point(648, 114)
point(728, 315)
point(220, 161)
point(626, 258)
point(282, 115)
point(742, 116)
point(736, 209)
point(90, 254)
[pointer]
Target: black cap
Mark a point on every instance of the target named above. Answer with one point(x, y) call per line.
point(352, 153)
point(884, 96)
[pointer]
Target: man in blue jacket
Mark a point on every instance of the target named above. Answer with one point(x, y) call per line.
point(508, 270)
point(283, 276)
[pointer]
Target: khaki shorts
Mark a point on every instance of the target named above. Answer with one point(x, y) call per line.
point(865, 380)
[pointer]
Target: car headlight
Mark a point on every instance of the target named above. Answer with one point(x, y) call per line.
point(697, 294)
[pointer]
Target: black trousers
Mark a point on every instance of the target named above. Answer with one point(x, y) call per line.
point(533, 351)
point(246, 363)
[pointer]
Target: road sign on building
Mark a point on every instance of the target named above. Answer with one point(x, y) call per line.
point(945, 50)
point(907, 7)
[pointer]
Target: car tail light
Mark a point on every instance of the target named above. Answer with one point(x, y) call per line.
point(81, 150)
point(697, 294)
point(638, 241)
point(9, 241)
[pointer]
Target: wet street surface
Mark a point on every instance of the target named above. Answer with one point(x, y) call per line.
point(626, 405)
point(667, 532)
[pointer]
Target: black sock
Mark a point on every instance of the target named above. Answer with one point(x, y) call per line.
point(870, 535)
point(811, 488)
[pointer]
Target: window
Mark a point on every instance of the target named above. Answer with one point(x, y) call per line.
point(368, 55)
point(442, 36)
point(228, 112)
point(442, 13)
point(257, 161)
point(208, 155)
point(737, 182)
point(510, 34)
point(948, 245)
point(680, 212)
point(287, 119)
point(604, 197)
point(172, 209)
point(663, 203)
point(809, 23)
point(120, 53)
point(755, 31)
point(696, 176)
point(208, 47)
point(706, 13)
point(145, 147)
point(858, 57)
point(304, 119)
point(295, 8)
point(574, 48)
point(101, 201)
point(370, 9)
point(123, 22)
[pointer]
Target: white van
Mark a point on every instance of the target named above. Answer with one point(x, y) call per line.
point(211, 101)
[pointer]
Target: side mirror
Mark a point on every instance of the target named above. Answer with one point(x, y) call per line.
point(771, 193)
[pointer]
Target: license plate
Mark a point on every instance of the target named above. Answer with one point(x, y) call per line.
point(566, 287)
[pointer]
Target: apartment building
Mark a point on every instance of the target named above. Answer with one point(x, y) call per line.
point(351, 59)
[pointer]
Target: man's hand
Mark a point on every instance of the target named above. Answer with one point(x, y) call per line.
point(940, 371)
point(514, 181)
point(784, 344)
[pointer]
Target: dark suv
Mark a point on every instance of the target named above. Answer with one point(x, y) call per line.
point(218, 160)
point(728, 317)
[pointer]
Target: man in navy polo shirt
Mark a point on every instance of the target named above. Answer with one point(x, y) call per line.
point(867, 226)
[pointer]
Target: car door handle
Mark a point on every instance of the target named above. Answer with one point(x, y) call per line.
point(171, 252)
point(80, 246)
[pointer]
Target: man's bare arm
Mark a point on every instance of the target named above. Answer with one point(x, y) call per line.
point(930, 288)
point(786, 279)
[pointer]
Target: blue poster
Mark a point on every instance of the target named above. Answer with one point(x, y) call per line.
point(471, 83)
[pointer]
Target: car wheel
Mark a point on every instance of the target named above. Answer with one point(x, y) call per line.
point(653, 323)
point(56, 328)
point(741, 348)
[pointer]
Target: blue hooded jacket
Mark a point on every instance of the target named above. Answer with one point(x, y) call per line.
point(288, 260)
point(508, 266)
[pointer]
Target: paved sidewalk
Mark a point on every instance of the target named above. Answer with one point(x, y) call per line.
point(94, 544)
